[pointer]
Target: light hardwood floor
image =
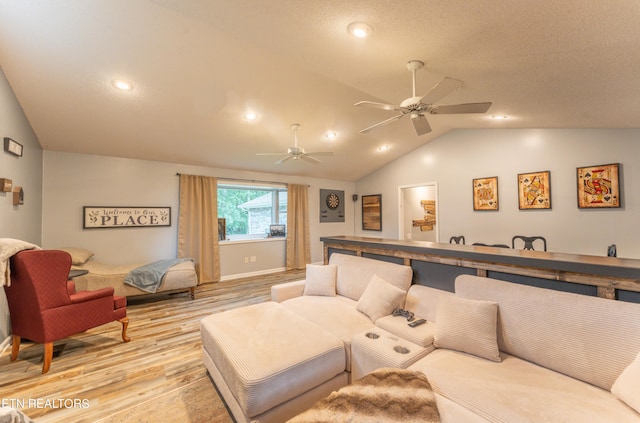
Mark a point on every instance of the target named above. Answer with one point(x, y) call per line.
point(158, 376)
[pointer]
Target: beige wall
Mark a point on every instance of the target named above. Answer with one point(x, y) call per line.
point(456, 158)
point(20, 222)
point(72, 181)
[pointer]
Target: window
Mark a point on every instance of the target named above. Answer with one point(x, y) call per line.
point(249, 210)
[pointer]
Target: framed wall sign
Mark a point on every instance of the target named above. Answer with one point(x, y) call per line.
point(125, 217)
point(534, 190)
point(485, 193)
point(372, 212)
point(599, 186)
point(13, 147)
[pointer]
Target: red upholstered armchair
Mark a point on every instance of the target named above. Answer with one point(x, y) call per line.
point(44, 306)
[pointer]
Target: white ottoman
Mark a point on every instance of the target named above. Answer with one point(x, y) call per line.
point(377, 348)
point(264, 355)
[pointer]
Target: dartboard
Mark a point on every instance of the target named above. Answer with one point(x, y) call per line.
point(333, 201)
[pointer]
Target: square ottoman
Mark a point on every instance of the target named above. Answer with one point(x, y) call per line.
point(270, 364)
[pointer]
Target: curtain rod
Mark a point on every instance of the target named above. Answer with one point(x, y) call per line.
point(248, 180)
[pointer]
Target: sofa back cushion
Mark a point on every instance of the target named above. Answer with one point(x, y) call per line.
point(423, 301)
point(355, 273)
point(589, 338)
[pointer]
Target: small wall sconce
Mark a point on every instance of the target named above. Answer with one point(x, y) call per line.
point(18, 196)
point(5, 185)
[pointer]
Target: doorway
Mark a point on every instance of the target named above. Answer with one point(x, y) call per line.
point(418, 212)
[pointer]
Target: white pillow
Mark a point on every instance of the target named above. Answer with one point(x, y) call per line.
point(380, 298)
point(321, 280)
point(469, 326)
point(79, 256)
point(626, 385)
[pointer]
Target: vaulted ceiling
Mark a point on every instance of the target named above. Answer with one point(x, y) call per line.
point(197, 65)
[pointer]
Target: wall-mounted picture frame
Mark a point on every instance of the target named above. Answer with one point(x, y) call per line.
point(13, 147)
point(534, 190)
point(99, 217)
point(599, 186)
point(485, 194)
point(277, 231)
point(372, 212)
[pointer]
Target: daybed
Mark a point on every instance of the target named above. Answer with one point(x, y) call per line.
point(493, 351)
point(181, 276)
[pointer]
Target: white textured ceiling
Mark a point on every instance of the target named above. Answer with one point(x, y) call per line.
point(198, 64)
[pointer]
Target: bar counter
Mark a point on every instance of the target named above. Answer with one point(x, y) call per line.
point(437, 264)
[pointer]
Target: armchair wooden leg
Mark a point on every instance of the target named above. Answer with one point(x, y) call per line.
point(15, 347)
point(192, 291)
point(48, 356)
point(125, 324)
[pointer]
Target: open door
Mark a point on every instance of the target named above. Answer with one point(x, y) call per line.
point(418, 212)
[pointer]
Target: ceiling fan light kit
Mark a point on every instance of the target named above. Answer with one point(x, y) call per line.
point(416, 106)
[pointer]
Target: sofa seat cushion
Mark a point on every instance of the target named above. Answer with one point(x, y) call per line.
point(515, 390)
point(268, 355)
point(337, 315)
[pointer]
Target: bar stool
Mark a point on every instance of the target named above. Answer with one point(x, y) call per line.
point(456, 239)
point(528, 242)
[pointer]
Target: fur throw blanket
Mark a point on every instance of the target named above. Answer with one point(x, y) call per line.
point(384, 396)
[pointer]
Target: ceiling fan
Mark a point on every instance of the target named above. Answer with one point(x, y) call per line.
point(416, 106)
point(297, 153)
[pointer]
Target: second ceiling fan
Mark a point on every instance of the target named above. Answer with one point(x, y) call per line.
point(416, 106)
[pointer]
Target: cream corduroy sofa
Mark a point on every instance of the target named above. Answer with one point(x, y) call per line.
point(493, 352)
point(507, 352)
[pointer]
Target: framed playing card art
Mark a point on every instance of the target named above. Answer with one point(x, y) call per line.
point(599, 186)
point(485, 193)
point(534, 190)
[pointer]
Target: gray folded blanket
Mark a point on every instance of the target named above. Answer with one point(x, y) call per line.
point(149, 277)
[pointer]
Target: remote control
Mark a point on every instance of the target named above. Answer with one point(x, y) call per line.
point(417, 322)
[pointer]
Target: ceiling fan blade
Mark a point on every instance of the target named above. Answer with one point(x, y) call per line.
point(421, 125)
point(319, 153)
point(384, 122)
point(284, 159)
point(271, 154)
point(442, 89)
point(460, 108)
point(375, 105)
point(310, 159)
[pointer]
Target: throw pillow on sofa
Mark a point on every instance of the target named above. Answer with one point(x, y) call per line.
point(470, 326)
point(625, 387)
point(321, 280)
point(380, 298)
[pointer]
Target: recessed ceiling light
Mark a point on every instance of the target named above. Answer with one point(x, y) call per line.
point(359, 29)
point(250, 116)
point(330, 135)
point(384, 147)
point(499, 117)
point(122, 85)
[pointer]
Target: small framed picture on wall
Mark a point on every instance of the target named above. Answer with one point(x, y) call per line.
point(534, 190)
point(485, 193)
point(599, 186)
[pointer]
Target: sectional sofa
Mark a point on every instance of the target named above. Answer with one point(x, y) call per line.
point(493, 352)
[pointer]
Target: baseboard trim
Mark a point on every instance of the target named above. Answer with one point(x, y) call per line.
point(252, 274)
